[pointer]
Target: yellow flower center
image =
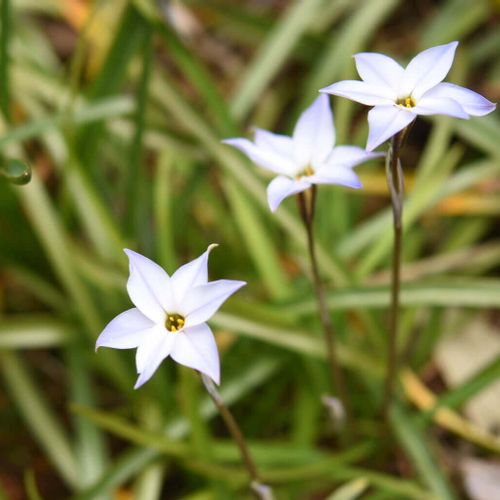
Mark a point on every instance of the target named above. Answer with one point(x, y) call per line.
point(407, 102)
point(308, 171)
point(174, 322)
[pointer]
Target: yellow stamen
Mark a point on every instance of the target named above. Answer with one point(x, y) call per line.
point(305, 173)
point(174, 322)
point(407, 102)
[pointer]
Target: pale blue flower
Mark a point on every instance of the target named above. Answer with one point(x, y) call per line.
point(400, 94)
point(170, 316)
point(308, 157)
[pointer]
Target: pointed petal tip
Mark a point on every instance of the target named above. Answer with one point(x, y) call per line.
point(210, 247)
point(371, 144)
point(238, 284)
point(215, 376)
point(236, 142)
point(327, 89)
point(140, 381)
point(451, 45)
point(485, 109)
point(273, 207)
point(356, 56)
point(131, 253)
point(376, 154)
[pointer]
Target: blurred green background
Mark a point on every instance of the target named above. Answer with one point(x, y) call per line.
point(119, 108)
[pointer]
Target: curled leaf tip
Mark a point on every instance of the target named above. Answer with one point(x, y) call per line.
point(15, 171)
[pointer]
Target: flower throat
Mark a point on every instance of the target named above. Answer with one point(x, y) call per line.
point(174, 322)
point(406, 102)
point(308, 171)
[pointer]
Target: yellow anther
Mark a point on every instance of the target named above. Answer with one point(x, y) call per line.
point(174, 322)
point(407, 102)
point(305, 173)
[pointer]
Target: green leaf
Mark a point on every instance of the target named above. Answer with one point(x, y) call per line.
point(31, 487)
point(419, 450)
point(294, 340)
point(258, 244)
point(272, 54)
point(32, 332)
point(89, 440)
point(473, 385)
point(5, 32)
point(129, 37)
point(454, 21)
point(482, 133)
point(135, 460)
point(456, 292)
point(39, 417)
point(137, 185)
point(351, 490)
point(95, 111)
point(199, 77)
point(53, 235)
point(333, 63)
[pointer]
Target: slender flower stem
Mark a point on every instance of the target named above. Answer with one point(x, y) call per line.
point(395, 182)
point(307, 202)
point(261, 491)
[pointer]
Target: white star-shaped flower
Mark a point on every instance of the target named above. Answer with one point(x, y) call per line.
point(169, 317)
point(400, 94)
point(308, 157)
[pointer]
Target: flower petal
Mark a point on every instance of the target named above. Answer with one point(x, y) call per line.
point(195, 347)
point(203, 301)
point(281, 187)
point(125, 331)
point(439, 106)
point(277, 144)
point(365, 93)
point(349, 156)
point(384, 122)
point(149, 287)
point(152, 351)
point(339, 175)
point(263, 157)
point(314, 133)
point(378, 69)
point(189, 275)
point(427, 69)
point(472, 102)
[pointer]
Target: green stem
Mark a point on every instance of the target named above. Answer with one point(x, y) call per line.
point(261, 491)
point(306, 207)
point(395, 182)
